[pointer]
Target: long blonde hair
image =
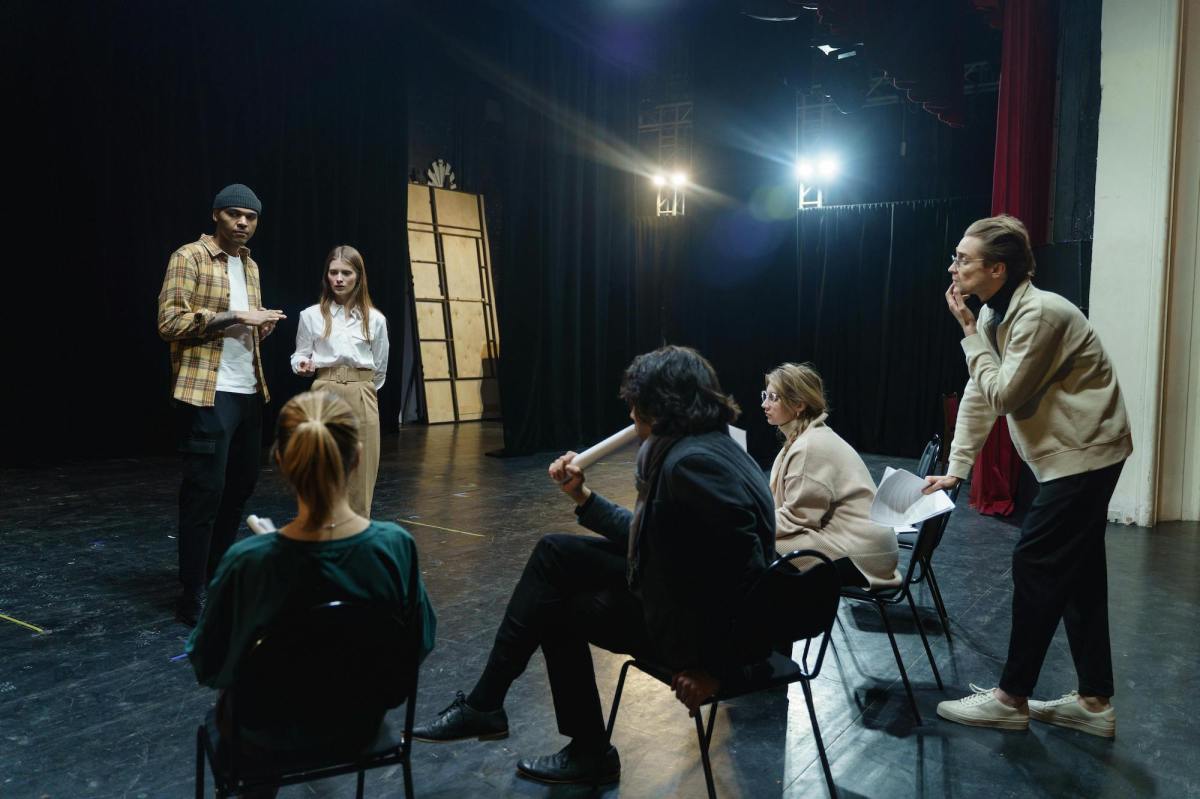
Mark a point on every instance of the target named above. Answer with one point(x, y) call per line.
point(798, 384)
point(359, 298)
point(316, 447)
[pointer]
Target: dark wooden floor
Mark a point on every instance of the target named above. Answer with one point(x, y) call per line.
point(96, 706)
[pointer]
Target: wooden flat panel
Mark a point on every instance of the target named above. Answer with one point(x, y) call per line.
point(470, 399)
point(421, 246)
point(456, 208)
point(426, 282)
point(418, 204)
point(470, 343)
point(439, 402)
point(462, 268)
point(435, 360)
point(430, 322)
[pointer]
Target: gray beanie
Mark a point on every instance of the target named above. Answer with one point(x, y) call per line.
point(237, 195)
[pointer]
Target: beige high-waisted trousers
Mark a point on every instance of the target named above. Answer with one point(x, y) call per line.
point(357, 387)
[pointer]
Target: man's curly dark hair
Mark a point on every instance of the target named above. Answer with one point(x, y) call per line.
point(676, 389)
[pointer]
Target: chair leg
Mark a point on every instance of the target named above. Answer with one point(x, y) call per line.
point(612, 713)
point(937, 601)
point(812, 715)
point(924, 640)
point(408, 781)
point(362, 779)
point(708, 777)
point(712, 717)
point(200, 763)
point(887, 625)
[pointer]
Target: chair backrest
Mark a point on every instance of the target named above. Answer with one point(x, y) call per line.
point(790, 605)
point(928, 537)
point(332, 669)
point(929, 457)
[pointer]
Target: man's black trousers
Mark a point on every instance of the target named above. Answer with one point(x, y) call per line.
point(1059, 572)
point(573, 592)
point(222, 450)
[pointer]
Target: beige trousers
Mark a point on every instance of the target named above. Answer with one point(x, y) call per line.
point(357, 387)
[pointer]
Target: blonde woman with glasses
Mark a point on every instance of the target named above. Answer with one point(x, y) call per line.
point(822, 488)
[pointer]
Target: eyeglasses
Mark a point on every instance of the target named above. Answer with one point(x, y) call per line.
point(769, 395)
point(958, 260)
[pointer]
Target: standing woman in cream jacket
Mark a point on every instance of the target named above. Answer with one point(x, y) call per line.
point(822, 489)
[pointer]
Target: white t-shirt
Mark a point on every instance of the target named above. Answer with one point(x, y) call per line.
point(236, 373)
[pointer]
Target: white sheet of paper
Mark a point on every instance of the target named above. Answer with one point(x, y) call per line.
point(900, 528)
point(738, 435)
point(605, 448)
point(260, 524)
point(899, 501)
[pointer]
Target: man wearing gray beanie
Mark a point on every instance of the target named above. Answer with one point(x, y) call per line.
point(210, 312)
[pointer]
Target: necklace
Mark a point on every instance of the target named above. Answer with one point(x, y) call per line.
point(343, 521)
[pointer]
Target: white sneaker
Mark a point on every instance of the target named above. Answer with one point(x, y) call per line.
point(1067, 712)
point(983, 709)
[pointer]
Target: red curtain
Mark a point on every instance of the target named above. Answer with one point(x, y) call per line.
point(1020, 186)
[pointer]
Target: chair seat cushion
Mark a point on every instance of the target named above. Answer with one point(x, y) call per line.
point(257, 762)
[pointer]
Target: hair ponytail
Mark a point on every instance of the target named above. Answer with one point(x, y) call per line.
point(316, 446)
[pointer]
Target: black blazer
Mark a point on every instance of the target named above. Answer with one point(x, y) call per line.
point(707, 535)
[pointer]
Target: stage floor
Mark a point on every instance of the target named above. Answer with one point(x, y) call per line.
point(96, 705)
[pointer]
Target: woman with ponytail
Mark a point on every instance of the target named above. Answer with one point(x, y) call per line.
point(327, 552)
point(343, 340)
point(822, 488)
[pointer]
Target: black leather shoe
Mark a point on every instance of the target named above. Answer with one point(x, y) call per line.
point(188, 607)
point(572, 765)
point(461, 721)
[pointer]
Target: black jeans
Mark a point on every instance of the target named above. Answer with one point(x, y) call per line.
point(1059, 572)
point(222, 449)
point(572, 593)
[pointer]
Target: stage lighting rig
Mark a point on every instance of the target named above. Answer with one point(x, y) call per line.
point(813, 174)
point(672, 198)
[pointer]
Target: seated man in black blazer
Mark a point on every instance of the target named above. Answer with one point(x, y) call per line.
point(662, 583)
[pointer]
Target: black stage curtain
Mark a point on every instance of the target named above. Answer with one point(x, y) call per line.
point(126, 118)
point(564, 248)
point(856, 290)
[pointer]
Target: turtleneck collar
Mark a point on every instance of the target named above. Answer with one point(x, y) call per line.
point(1000, 300)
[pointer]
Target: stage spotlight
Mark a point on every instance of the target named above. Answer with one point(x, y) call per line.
point(678, 179)
point(659, 180)
point(804, 170)
point(828, 167)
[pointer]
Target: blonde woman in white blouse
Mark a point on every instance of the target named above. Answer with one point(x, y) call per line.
point(822, 488)
point(343, 340)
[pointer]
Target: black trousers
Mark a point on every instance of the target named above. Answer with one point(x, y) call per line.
point(222, 449)
point(572, 593)
point(1059, 572)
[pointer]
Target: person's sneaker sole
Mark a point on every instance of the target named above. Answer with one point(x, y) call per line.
point(1071, 723)
point(1011, 725)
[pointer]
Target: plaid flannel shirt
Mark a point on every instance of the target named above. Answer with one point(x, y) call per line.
point(195, 289)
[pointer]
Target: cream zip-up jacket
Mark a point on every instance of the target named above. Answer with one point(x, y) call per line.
point(1049, 374)
point(823, 495)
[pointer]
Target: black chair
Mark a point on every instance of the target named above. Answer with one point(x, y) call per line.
point(930, 533)
point(929, 458)
point(783, 604)
point(328, 675)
